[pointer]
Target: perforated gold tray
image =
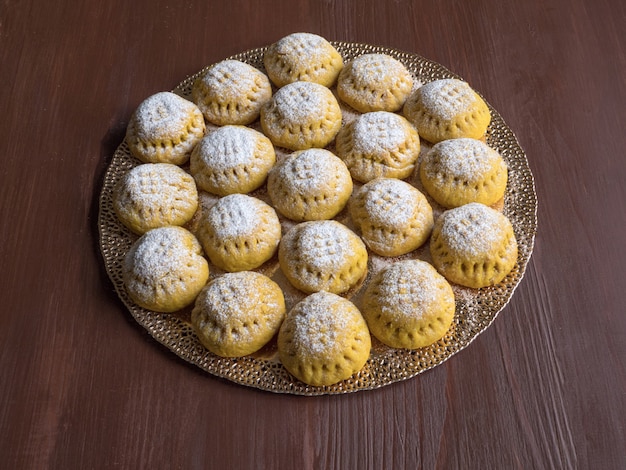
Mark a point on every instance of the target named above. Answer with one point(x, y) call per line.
point(475, 309)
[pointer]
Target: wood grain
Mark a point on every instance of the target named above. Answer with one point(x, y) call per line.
point(84, 387)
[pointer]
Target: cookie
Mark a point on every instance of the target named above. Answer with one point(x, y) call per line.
point(238, 313)
point(164, 129)
point(378, 144)
point(322, 255)
point(374, 82)
point(239, 232)
point(164, 270)
point(393, 217)
point(447, 109)
point(409, 305)
point(232, 159)
point(301, 115)
point(302, 57)
point(324, 340)
point(311, 184)
point(231, 92)
point(459, 171)
point(473, 245)
point(155, 195)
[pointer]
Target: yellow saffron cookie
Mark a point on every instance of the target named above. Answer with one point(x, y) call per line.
point(155, 195)
point(164, 129)
point(311, 184)
point(409, 305)
point(447, 109)
point(238, 313)
point(393, 217)
point(324, 340)
point(374, 82)
point(164, 270)
point(232, 159)
point(459, 171)
point(231, 92)
point(473, 245)
point(239, 232)
point(302, 57)
point(378, 144)
point(301, 115)
point(322, 255)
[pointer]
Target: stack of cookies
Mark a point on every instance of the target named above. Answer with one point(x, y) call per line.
point(295, 177)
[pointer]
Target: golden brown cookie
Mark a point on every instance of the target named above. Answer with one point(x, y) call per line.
point(232, 159)
point(239, 232)
point(378, 144)
point(311, 184)
point(322, 255)
point(459, 171)
point(473, 245)
point(302, 57)
point(164, 129)
point(155, 195)
point(447, 109)
point(238, 313)
point(231, 92)
point(301, 115)
point(324, 340)
point(164, 270)
point(374, 82)
point(393, 217)
point(409, 305)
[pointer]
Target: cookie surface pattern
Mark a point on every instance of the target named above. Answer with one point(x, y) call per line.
point(164, 270)
point(311, 184)
point(232, 159)
point(238, 313)
point(324, 340)
point(164, 129)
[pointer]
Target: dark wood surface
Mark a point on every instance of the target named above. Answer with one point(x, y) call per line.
point(83, 386)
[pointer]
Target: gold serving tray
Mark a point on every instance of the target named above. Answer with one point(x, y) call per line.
point(476, 309)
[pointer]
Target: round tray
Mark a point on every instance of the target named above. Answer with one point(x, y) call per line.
point(476, 309)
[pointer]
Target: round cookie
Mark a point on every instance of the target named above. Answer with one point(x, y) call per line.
point(409, 305)
point(164, 129)
point(301, 115)
point(231, 92)
point(164, 270)
point(302, 57)
point(155, 195)
point(322, 255)
point(239, 232)
point(393, 217)
point(232, 159)
point(324, 340)
point(238, 313)
point(378, 144)
point(374, 82)
point(311, 184)
point(447, 109)
point(473, 245)
point(459, 171)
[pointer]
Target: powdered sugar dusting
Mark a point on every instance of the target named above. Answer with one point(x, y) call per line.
point(163, 115)
point(298, 101)
point(159, 185)
point(379, 132)
point(308, 172)
point(320, 323)
point(375, 69)
point(391, 202)
point(447, 98)
point(237, 215)
point(468, 159)
point(409, 289)
point(228, 147)
point(307, 47)
point(232, 78)
point(322, 244)
point(474, 229)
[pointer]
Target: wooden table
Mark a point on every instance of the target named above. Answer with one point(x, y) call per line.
point(83, 386)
